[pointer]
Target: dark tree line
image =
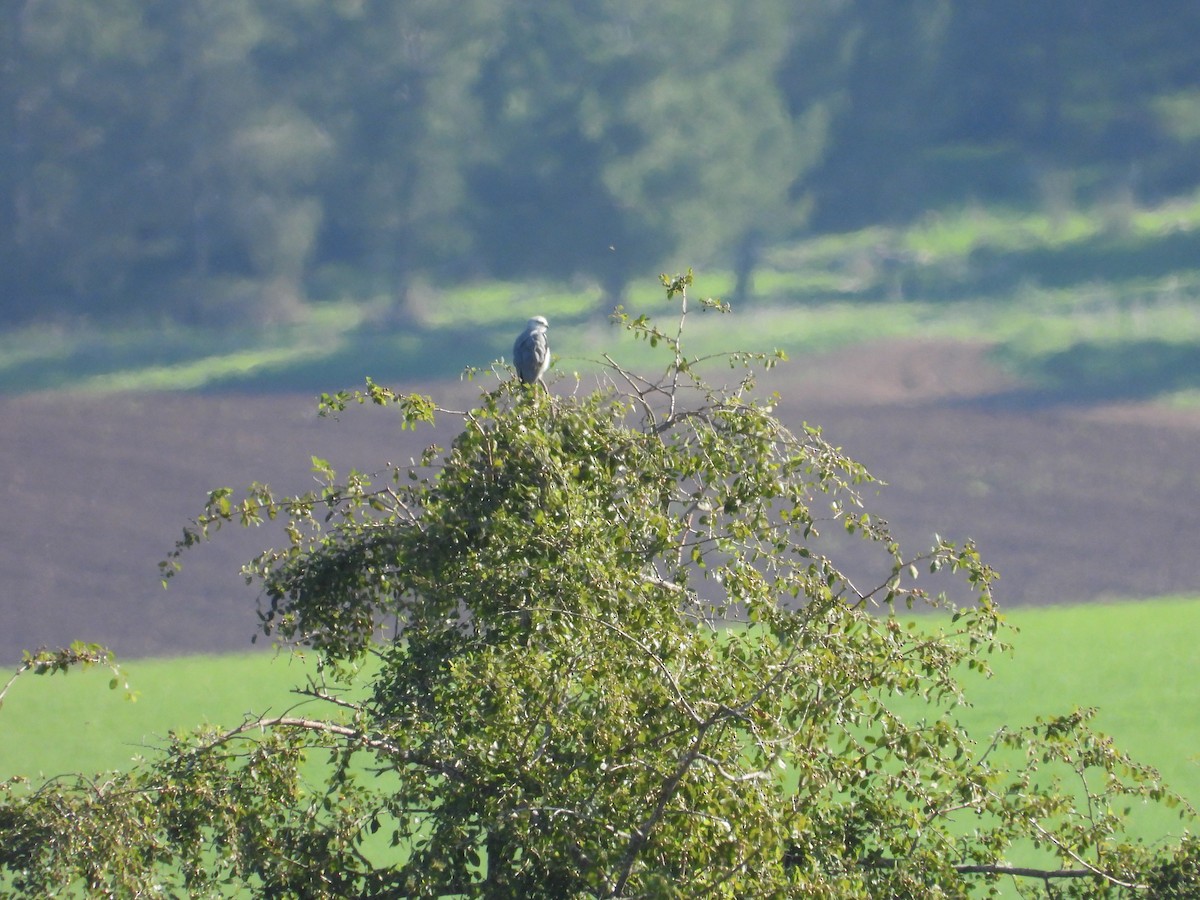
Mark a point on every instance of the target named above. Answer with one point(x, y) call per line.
point(228, 161)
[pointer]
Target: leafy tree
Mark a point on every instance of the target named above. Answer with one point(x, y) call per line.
point(211, 160)
point(68, 71)
point(244, 157)
point(149, 162)
point(718, 150)
point(625, 664)
point(395, 205)
point(622, 135)
point(1011, 102)
point(549, 90)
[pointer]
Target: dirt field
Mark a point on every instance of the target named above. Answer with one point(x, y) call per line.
point(1070, 504)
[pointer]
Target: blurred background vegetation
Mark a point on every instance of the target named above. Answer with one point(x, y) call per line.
point(256, 183)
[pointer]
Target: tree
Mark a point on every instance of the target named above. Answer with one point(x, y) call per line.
point(625, 664)
point(623, 135)
point(718, 150)
point(934, 104)
point(66, 126)
point(148, 161)
point(393, 88)
point(549, 89)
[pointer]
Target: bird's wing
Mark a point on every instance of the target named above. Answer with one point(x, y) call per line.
point(531, 345)
point(531, 353)
point(541, 349)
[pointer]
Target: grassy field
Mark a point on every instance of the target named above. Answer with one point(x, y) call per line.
point(1094, 303)
point(1137, 662)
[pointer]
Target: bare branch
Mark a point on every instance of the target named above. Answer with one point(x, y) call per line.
point(1012, 871)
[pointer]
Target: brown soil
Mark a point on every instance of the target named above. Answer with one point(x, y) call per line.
point(1070, 504)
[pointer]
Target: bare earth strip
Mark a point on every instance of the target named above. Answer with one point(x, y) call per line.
point(1070, 504)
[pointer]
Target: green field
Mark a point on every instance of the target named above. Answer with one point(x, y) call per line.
point(1137, 662)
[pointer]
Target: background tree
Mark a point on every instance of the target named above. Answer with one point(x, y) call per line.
point(1022, 104)
point(626, 664)
point(227, 162)
point(68, 96)
point(626, 135)
point(550, 91)
point(718, 152)
point(394, 93)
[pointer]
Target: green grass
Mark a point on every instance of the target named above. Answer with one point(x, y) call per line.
point(1137, 662)
point(76, 723)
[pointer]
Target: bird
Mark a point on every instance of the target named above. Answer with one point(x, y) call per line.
point(531, 353)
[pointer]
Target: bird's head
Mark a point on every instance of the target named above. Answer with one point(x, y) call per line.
point(537, 322)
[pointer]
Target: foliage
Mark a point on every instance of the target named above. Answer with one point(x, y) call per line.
point(934, 103)
point(1120, 657)
point(224, 164)
point(622, 663)
point(52, 662)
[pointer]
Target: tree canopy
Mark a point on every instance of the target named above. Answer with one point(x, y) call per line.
point(226, 162)
point(602, 646)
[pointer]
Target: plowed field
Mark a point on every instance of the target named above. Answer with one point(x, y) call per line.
point(1070, 503)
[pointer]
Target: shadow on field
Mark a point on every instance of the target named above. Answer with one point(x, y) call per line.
point(1104, 372)
point(390, 355)
point(384, 355)
point(1104, 258)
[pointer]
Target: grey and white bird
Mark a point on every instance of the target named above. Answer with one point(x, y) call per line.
point(531, 353)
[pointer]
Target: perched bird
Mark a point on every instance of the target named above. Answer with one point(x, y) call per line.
point(531, 353)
